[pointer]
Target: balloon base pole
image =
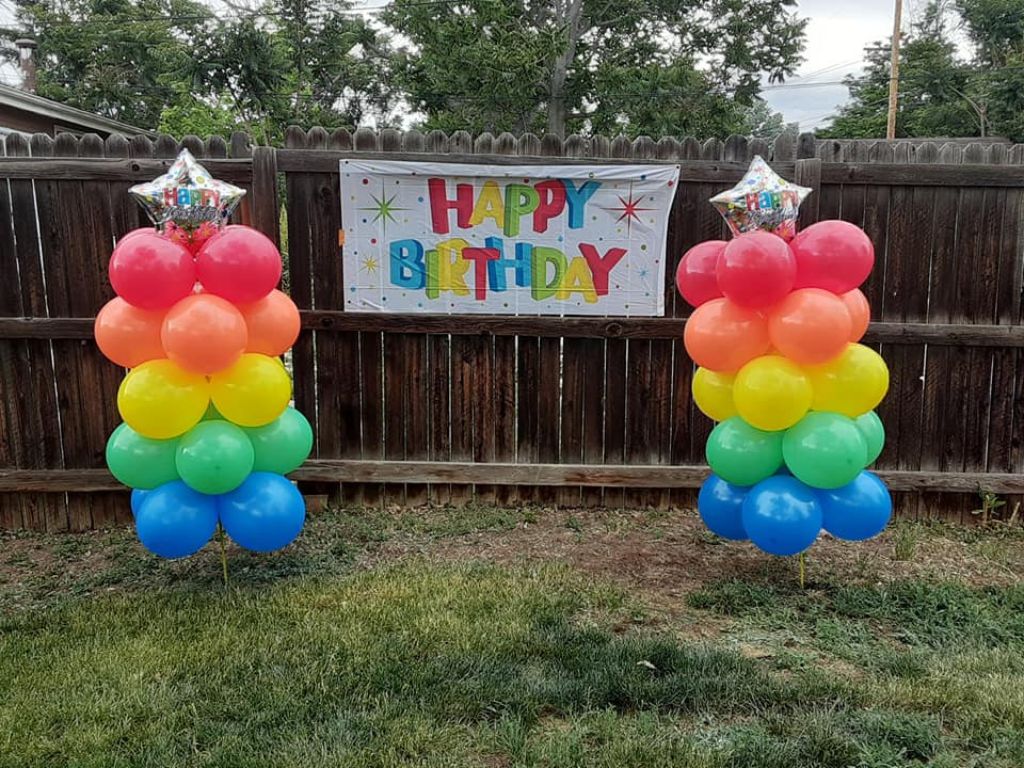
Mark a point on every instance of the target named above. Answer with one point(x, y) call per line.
point(803, 570)
point(223, 553)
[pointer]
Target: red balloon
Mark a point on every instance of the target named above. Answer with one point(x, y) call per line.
point(135, 233)
point(240, 264)
point(834, 255)
point(756, 270)
point(697, 274)
point(150, 272)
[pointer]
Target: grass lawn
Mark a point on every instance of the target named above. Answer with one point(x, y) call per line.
point(492, 637)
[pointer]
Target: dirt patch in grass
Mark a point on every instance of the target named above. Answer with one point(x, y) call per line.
point(667, 555)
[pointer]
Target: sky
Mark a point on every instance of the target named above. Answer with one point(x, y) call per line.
point(837, 32)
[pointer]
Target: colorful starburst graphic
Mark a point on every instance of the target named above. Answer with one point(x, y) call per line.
point(383, 208)
point(383, 211)
point(630, 209)
point(370, 264)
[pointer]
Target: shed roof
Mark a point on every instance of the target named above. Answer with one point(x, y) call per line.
point(63, 114)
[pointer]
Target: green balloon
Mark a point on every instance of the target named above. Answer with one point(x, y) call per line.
point(140, 462)
point(741, 454)
point(871, 428)
point(283, 444)
point(825, 450)
point(214, 457)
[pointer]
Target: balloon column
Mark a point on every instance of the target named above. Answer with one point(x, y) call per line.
point(208, 432)
point(775, 334)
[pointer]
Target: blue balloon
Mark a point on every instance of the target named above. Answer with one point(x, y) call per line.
point(859, 510)
point(138, 496)
point(175, 521)
point(782, 516)
point(721, 507)
point(264, 513)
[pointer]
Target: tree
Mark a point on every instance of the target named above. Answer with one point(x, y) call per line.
point(118, 58)
point(644, 66)
point(939, 94)
point(189, 115)
point(173, 64)
point(762, 122)
point(298, 61)
point(996, 28)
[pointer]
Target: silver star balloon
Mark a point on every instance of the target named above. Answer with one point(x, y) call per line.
point(761, 200)
point(187, 199)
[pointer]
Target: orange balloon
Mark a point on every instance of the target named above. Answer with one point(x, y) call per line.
point(810, 326)
point(273, 324)
point(204, 333)
point(723, 337)
point(127, 335)
point(860, 312)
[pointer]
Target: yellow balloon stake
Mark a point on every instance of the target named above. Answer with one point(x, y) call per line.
point(252, 392)
point(160, 400)
point(772, 393)
point(851, 384)
point(713, 394)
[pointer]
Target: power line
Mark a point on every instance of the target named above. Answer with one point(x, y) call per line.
point(816, 84)
point(824, 70)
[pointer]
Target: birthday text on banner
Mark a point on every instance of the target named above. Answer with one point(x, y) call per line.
point(519, 240)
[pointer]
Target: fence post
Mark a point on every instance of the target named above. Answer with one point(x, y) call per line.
point(808, 174)
point(265, 213)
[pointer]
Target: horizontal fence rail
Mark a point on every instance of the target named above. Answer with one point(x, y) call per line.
point(557, 411)
point(328, 321)
point(585, 475)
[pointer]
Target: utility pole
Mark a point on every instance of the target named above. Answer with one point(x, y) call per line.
point(894, 72)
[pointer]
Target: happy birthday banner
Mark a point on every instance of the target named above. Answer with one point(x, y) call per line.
point(512, 240)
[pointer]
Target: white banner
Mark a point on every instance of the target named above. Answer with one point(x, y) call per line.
point(455, 238)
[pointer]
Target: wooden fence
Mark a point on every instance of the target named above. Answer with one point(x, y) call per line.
point(576, 411)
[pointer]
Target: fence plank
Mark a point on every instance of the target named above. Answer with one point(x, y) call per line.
point(939, 373)
point(300, 278)
point(830, 196)
point(397, 367)
point(14, 363)
point(876, 225)
point(545, 366)
point(337, 356)
point(97, 376)
point(43, 438)
point(416, 394)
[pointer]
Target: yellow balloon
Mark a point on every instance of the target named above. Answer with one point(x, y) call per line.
point(160, 400)
point(772, 393)
point(252, 392)
point(712, 392)
point(851, 384)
